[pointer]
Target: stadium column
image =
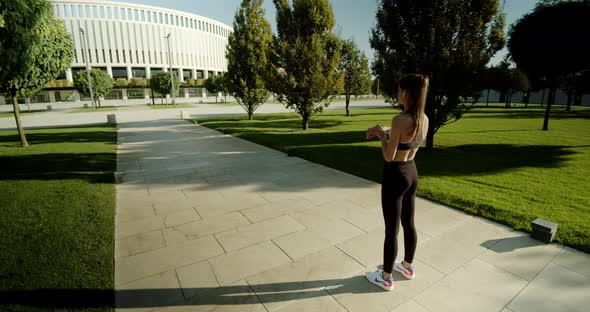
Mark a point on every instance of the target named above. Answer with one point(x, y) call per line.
point(69, 75)
point(205, 76)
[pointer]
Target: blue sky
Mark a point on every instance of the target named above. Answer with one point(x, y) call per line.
point(354, 18)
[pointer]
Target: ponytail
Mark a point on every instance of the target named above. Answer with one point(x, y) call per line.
point(420, 105)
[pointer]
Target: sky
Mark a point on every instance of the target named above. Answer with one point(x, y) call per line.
point(354, 18)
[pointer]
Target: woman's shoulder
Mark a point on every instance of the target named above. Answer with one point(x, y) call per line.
point(403, 118)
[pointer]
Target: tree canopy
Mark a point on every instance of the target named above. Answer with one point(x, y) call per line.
point(357, 76)
point(248, 49)
point(161, 83)
point(33, 50)
point(451, 41)
point(102, 83)
point(548, 43)
point(307, 57)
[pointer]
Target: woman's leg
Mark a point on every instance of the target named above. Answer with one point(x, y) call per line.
point(407, 220)
point(392, 208)
point(407, 217)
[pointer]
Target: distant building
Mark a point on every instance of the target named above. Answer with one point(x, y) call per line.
point(128, 41)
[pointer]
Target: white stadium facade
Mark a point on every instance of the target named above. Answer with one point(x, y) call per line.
point(128, 41)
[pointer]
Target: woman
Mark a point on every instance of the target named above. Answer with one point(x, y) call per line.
point(399, 145)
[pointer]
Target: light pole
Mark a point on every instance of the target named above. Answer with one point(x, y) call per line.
point(82, 36)
point(171, 74)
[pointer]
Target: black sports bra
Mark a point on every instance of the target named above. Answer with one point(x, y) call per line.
point(411, 145)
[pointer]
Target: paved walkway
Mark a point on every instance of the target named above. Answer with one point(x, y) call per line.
point(209, 222)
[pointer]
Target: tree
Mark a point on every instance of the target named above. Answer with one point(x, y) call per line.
point(451, 41)
point(247, 53)
point(307, 57)
point(223, 85)
point(558, 24)
point(355, 66)
point(213, 85)
point(507, 81)
point(518, 82)
point(102, 83)
point(488, 80)
point(161, 84)
point(575, 85)
point(34, 49)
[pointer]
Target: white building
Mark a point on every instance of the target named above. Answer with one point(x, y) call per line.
point(129, 40)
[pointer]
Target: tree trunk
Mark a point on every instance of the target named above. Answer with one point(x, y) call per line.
point(430, 138)
point(305, 122)
point(568, 107)
point(153, 100)
point(543, 97)
point(250, 113)
point(548, 109)
point(526, 99)
point(488, 99)
point(578, 99)
point(347, 104)
point(19, 126)
point(507, 99)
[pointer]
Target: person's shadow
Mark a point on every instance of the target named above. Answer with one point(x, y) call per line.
point(154, 298)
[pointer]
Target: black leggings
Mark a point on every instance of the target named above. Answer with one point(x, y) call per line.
point(398, 192)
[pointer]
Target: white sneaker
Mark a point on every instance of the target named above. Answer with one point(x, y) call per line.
point(377, 279)
point(408, 273)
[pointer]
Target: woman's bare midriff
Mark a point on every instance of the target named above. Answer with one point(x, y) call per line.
point(401, 156)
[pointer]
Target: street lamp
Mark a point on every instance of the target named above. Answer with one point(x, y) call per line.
point(82, 36)
point(171, 74)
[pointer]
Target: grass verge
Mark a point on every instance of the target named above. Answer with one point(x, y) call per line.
point(57, 217)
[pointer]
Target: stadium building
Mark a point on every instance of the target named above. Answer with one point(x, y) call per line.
point(129, 42)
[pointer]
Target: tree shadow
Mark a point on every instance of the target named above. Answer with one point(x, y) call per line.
point(245, 294)
point(524, 113)
point(92, 167)
point(35, 137)
point(470, 159)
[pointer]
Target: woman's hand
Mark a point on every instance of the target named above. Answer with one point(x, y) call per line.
point(370, 133)
point(377, 131)
point(380, 131)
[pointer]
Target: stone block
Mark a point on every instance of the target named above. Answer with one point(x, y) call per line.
point(544, 230)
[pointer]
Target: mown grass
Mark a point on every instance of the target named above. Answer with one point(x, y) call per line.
point(493, 162)
point(57, 217)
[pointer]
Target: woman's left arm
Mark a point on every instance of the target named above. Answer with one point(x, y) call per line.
point(389, 142)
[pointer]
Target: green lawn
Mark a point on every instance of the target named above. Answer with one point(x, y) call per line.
point(93, 110)
point(165, 106)
point(57, 215)
point(493, 162)
point(25, 112)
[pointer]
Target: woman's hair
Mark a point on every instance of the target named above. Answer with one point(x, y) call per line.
point(417, 88)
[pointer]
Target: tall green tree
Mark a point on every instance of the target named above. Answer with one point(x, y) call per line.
point(247, 53)
point(357, 76)
point(555, 24)
point(307, 57)
point(102, 83)
point(34, 49)
point(449, 40)
point(161, 84)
